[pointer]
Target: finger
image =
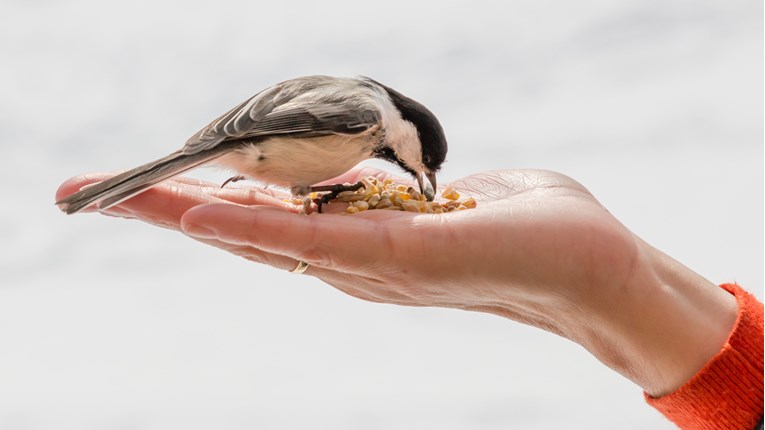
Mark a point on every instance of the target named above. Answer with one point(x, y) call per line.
point(236, 194)
point(74, 184)
point(347, 283)
point(361, 287)
point(165, 204)
point(360, 172)
point(256, 255)
point(337, 242)
point(277, 261)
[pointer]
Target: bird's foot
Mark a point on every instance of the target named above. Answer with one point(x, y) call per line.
point(333, 191)
point(233, 179)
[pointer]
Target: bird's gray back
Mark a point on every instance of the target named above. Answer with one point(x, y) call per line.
point(310, 105)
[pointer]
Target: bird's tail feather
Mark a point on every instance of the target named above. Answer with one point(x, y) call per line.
point(127, 184)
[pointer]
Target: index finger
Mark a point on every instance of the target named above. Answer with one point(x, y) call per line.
point(338, 242)
point(360, 172)
point(165, 204)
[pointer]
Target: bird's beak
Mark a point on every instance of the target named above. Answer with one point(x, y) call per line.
point(427, 188)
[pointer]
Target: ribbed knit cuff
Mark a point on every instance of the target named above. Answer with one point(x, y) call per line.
point(728, 392)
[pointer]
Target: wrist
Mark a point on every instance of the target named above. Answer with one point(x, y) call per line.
point(727, 392)
point(665, 326)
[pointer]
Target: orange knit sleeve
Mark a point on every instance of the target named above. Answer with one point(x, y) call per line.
point(728, 392)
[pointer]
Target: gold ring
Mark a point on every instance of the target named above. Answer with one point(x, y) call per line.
point(302, 265)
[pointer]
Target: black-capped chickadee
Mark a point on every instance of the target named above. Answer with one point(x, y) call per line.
point(296, 134)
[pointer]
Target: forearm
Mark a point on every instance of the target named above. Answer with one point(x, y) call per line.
point(727, 393)
point(666, 325)
point(694, 347)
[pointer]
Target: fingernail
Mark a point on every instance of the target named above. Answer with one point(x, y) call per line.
point(199, 231)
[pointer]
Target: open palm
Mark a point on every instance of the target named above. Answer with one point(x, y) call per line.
point(537, 244)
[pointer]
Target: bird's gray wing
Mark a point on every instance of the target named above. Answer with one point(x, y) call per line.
point(280, 110)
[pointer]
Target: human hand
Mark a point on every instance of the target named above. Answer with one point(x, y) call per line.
point(538, 249)
point(525, 224)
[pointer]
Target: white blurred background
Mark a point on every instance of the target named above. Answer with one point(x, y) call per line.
point(656, 106)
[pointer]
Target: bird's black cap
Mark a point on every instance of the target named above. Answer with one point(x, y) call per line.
point(434, 146)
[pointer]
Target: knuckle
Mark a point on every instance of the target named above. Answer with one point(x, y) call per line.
point(314, 256)
point(313, 250)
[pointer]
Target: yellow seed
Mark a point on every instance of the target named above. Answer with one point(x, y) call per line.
point(404, 196)
point(401, 188)
point(433, 206)
point(469, 203)
point(349, 196)
point(384, 203)
point(396, 199)
point(388, 182)
point(361, 205)
point(415, 206)
point(373, 200)
point(450, 193)
point(410, 206)
point(351, 209)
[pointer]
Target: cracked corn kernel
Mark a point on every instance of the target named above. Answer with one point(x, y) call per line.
point(450, 194)
point(384, 203)
point(361, 205)
point(350, 196)
point(414, 206)
point(469, 203)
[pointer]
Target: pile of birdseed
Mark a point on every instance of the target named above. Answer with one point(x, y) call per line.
point(388, 195)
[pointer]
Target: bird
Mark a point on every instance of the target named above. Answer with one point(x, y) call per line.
point(296, 134)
